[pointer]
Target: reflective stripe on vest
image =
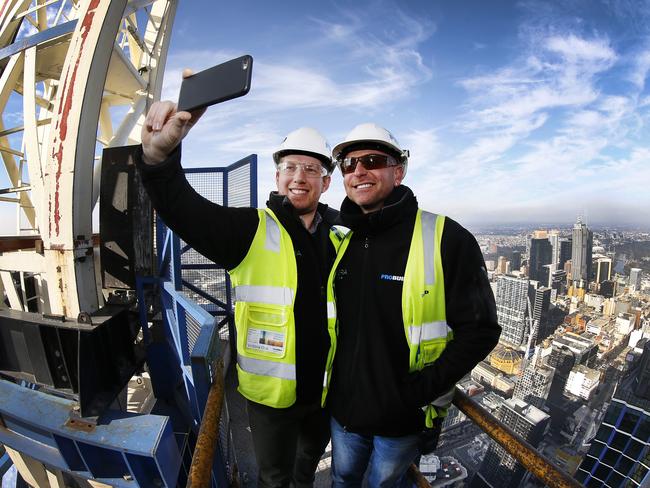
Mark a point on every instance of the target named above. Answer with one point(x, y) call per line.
point(428, 331)
point(331, 310)
point(429, 241)
point(273, 295)
point(267, 368)
point(272, 242)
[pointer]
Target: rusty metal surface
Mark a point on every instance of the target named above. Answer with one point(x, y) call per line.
point(416, 476)
point(208, 438)
point(538, 465)
point(12, 243)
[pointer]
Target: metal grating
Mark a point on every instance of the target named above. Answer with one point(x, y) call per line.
point(239, 187)
point(193, 330)
point(208, 184)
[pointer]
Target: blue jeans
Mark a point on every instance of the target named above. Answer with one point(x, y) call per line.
point(386, 459)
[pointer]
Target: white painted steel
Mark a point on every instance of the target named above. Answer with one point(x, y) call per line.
point(114, 57)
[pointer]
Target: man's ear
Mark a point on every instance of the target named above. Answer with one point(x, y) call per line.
point(399, 174)
point(326, 183)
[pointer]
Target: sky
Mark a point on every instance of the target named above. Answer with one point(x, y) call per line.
point(513, 112)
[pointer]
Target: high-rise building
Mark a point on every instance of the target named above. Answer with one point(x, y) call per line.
point(534, 384)
point(558, 281)
point(499, 469)
point(502, 265)
point(619, 455)
point(515, 260)
point(603, 269)
point(581, 252)
point(541, 253)
point(608, 288)
point(566, 245)
point(554, 239)
point(540, 299)
point(511, 300)
point(635, 278)
point(582, 382)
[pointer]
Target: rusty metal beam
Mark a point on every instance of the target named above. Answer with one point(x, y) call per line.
point(206, 443)
point(539, 465)
point(417, 477)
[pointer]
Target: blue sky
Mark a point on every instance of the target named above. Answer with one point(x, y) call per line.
point(513, 111)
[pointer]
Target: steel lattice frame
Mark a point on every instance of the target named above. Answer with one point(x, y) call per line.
point(80, 65)
point(81, 61)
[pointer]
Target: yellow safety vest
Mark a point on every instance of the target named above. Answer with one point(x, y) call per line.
point(264, 285)
point(423, 305)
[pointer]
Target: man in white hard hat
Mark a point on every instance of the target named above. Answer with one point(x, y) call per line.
point(411, 312)
point(278, 259)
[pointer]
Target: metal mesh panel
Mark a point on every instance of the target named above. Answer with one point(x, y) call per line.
point(211, 281)
point(193, 330)
point(208, 184)
point(239, 188)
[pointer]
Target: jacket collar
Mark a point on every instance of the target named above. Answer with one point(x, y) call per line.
point(400, 204)
point(284, 210)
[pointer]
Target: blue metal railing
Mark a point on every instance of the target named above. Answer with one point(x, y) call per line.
point(142, 450)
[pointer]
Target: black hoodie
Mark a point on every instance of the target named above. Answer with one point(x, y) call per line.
point(372, 391)
point(224, 235)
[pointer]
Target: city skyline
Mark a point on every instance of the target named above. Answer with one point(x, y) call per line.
point(516, 112)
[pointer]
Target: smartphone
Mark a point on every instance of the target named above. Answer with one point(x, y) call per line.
point(223, 82)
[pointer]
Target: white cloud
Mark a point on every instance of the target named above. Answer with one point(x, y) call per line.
point(640, 69)
point(423, 146)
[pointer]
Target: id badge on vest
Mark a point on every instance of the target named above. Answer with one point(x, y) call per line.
point(265, 341)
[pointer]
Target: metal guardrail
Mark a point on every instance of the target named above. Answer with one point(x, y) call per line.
point(537, 464)
point(208, 438)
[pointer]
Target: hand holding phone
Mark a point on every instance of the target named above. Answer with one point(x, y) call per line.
point(223, 82)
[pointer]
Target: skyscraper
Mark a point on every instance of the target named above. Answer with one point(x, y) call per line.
point(541, 253)
point(502, 265)
point(603, 269)
point(499, 469)
point(581, 252)
point(558, 281)
point(511, 300)
point(535, 383)
point(554, 239)
point(620, 453)
point(566, 245)
point(540, 299)
point(635, 278)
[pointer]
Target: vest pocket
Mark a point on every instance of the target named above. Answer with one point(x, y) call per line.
point(431, 350)
point(265, 330)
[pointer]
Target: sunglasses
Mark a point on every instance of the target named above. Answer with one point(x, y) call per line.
point(369, 161)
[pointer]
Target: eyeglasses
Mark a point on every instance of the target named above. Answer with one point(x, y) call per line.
point(311, 170)
point(369, 161)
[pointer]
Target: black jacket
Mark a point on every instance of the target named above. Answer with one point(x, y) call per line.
point(224, 235)
point(372, 391)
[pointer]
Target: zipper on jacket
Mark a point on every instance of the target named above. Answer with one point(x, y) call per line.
point(357, 344)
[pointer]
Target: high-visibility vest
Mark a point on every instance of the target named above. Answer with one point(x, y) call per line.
point(423, 305)
point(264, 285)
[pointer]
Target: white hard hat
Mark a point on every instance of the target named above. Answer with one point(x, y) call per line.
point(370, 135)
point(305, 141)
